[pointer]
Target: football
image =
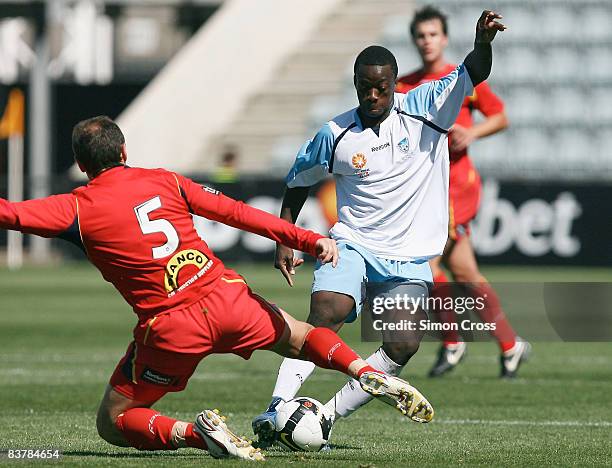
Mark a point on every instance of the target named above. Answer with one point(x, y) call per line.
point(303, 424)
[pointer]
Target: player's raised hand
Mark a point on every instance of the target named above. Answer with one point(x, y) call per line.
point(286, 262)
point(487, 26)
point(327, 251)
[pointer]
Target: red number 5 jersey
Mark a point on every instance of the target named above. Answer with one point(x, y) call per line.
point(135, 226)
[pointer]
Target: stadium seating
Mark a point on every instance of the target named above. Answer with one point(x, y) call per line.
point(315, 75)
point(551, 78)
point(555, 81)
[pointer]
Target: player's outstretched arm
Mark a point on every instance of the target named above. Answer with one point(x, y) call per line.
point(217, 207)
point(293, 202)
point(327, 251)
point(46, 217)
point(311, 165)
point(478, 62)
point(440, 101)
point(284, 260)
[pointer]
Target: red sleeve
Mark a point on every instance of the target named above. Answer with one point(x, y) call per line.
point(402, 87)
point(213, 205)
point(407, 83)
point(46, 217)
point(486, 101)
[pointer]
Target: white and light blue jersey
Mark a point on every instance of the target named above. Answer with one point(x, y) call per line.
point(391, 185)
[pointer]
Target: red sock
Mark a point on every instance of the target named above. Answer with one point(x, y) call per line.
point(146, 429)
point(366, 369)
point(442, 289)
point(192, 439)
point(441, 278)
point(327, 350)
point(493, 313)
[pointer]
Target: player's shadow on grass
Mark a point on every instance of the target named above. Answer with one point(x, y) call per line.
point(130, 454)
point(344, 447)
point(276, 452)
point(273, 454)
point(280, 451)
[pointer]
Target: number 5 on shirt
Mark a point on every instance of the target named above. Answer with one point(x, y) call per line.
point(148, 226)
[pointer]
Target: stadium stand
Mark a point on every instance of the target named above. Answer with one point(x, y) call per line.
point(555, 77)
point(556, 84)
point(203, 87)
point(275, 120)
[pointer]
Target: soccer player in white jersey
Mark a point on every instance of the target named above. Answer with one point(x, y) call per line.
point(389, 157)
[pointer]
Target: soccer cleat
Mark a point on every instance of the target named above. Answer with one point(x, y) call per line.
point(512, 359)
point(221, 442)
point(398, 393)
point(264, 425)
point(448, 358)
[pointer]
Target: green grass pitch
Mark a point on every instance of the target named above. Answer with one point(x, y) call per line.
point(62, 331)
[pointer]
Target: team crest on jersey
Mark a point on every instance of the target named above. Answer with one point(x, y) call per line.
point(404, 145)
point(192, 257)
point(359, 161)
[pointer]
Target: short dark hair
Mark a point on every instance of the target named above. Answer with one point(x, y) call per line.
point(375, 55)
point(96, 144)
point(428, 13)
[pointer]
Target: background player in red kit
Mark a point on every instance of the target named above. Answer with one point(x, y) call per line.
point(429, 33)
point(135, 226)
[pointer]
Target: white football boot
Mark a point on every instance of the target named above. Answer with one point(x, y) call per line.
point(399, 394)
point(512, 359)
point(221, 442)
point(449, 356)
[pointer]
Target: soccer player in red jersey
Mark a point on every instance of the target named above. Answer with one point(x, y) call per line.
point(135, 225)
point(429, 34)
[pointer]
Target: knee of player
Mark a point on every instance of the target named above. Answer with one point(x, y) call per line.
point(468, 275)
point(107, 429)
point(105, 426)
point(306, 328)
point(298, 337)
point(401, 352)
point(329, 309)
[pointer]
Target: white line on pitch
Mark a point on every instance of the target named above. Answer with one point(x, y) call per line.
point(527, 423)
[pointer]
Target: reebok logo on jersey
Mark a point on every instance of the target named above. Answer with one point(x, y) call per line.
point(380, 147)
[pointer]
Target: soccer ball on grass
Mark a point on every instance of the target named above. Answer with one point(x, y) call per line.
point(303, 424)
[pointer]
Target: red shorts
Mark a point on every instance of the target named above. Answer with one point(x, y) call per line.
point(168, 347)
point(464, 198)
